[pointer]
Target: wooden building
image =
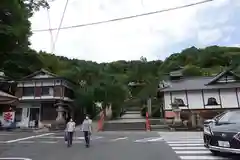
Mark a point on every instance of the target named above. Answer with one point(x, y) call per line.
point(44, 98)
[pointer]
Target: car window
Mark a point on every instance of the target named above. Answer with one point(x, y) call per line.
point(230, 117)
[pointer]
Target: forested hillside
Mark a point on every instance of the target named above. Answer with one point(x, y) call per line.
point(107, 82)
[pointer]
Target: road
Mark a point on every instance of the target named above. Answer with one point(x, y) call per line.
point(105, 145)
point(190, 146)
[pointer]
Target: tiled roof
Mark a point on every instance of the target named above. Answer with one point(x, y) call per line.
point(197, 83)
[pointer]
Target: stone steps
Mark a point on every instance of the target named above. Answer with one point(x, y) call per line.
point(133, 112)
point(158, 127)
point(157, 121)
point(124, 126)
point(133, 109)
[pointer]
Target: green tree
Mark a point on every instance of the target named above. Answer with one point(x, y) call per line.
point(192, 70)
point(15, 24)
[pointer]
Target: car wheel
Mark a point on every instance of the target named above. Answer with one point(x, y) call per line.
point(215, 152)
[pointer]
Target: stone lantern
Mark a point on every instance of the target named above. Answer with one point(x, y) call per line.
point(60, 113)
point(175, 108)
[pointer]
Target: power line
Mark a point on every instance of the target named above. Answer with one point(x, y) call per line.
point(59, 27)
point(49, 27)
point(128, 17)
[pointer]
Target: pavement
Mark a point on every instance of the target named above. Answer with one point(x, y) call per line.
point(134, 145)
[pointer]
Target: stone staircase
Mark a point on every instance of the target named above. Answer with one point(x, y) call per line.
point(124, 126)
point(131, 120)
point(158, 125)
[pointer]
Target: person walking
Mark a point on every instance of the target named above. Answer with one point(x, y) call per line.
point(87, 130)
point(70, 130)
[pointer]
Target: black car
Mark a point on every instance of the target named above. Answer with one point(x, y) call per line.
point(222, 133)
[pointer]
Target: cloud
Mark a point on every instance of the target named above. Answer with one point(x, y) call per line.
point(153, 36)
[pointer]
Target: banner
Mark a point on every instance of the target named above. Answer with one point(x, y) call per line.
point(8, 118)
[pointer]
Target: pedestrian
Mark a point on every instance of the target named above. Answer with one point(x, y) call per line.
point(70, 128)
point(87, 130)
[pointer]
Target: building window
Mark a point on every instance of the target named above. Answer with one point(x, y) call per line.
point(47, 91)
point(28, 91)
point(212, 101)
point(179, 101)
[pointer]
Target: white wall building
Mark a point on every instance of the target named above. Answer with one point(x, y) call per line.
point(202, 93)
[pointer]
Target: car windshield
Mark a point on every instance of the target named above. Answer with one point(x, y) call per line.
point(230, 117)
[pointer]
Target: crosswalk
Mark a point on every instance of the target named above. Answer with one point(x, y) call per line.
point(189, 146)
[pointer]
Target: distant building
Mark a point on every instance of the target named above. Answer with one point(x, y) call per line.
point(201, 94)
point(44, 98)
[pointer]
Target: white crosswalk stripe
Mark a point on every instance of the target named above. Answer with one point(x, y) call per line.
point(149, 139)
point(188, 146)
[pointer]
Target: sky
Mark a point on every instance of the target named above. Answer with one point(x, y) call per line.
point(154, 37)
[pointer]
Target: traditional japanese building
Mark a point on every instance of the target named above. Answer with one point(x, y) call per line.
point(206, 96)
point(44, 98)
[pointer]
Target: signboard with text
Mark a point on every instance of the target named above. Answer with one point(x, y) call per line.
point(8, 118)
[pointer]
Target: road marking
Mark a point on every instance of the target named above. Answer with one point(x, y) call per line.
point(150, 139)
point(188, 144)
point(200, 157)
point(183, 139)
point(31, 137)
point(185, 148)
point(193, 152)
point(155, 139)
point(15, 158)
point(180, 142)
point(117, 139)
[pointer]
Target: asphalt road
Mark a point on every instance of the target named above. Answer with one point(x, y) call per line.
point(105, 146)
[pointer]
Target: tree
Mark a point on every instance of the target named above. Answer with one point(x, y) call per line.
point(192, 70)
point(105, 82)
point(15, 24)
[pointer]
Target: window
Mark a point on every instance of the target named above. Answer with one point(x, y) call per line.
point(230, 117)
point(179, 101)
point(212, 101)
point(28, 91)
point(47, 91)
